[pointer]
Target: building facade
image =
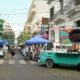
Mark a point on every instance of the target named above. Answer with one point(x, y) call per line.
point(8, 34)
point(39, 9)
point(63, 13)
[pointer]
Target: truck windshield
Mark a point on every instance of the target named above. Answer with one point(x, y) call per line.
point(49, 46)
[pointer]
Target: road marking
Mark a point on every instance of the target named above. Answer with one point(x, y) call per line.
point(33, 62)
point(1, 61)
point(22, 62)
point(11, 62)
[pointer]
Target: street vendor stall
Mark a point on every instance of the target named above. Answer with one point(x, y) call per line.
point(36, 40)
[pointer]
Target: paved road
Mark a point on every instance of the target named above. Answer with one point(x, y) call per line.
point(19, 69)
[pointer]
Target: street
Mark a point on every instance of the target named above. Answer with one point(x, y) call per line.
point(35, 32)
point(19, 69)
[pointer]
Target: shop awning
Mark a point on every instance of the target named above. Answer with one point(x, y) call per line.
point(2, 42)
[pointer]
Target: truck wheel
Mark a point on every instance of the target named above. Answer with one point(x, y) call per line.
point(49, 63)
point(78, 67)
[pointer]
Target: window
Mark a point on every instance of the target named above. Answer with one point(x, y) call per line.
point(45, 47)
point(51, 13)
point(78, 23)
point(77, 2)
point(49, 46)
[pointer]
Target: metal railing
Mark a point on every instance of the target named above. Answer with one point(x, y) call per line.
point(57, 14)
point(67, 7)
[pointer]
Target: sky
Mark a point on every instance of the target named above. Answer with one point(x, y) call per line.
point(15, 13)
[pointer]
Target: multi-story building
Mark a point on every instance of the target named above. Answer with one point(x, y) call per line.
point(7, 29)
point(26, 29)
point(64, 13)
point(39, 9)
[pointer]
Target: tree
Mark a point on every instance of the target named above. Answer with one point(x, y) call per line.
point(1, 23)
point(23, 37)
point(9, 37)
point(35, 33)
point(1, 27)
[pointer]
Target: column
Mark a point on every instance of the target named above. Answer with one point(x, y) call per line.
point(57, 35)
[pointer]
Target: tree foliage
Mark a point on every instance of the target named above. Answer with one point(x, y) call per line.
point(35, 33)
point(9, 37)
point(1, 21)
point(23, 37)
point(1, 27)
point(1, 24)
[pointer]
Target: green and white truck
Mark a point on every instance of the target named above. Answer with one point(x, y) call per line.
point(59, 53)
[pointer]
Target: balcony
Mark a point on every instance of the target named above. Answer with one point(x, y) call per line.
point(69, 9)
point(57, 14)
point(59, 17)
point(69, 5)
point(73, 10)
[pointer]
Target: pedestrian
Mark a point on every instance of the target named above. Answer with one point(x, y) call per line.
point(33, 51)
point(29, 51)
point(26, 52)
point(13, 51)
point(5, 49)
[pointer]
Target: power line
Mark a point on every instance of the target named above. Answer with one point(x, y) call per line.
point(14, 9)
point(12, 14)
point(20, 13)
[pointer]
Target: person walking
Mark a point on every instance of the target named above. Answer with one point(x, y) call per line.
point(12, 51)
point(29, 51)
point(5, 49)
point(8, 53)
point(26, 51)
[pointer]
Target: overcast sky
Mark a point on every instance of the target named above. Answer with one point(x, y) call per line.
point(15, 13)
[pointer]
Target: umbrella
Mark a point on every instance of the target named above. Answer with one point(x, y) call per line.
point(2, 42)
